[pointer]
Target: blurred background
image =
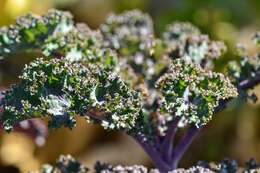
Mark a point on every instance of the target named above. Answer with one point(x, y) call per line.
point(234, 133)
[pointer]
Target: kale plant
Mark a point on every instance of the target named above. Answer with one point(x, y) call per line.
point(124, 78)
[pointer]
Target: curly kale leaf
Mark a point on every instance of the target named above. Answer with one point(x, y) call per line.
point(191, 93)
point(30, 31)
point(128, 32)
point(245, 73)
point(65, 164)
point(60, 89)
point(131, 35)
point(230, 166)
point(185, 41)
point(74, 45)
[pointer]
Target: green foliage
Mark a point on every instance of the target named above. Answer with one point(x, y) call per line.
point(30, 31)
point(129, 32)
point(79, 77)
point(106, 168)
point(245, 73)
point(191, 93)
point(60, 89)
point(75, 45)
point(103, 167)
point(121, 77)
point(80, 73)
point(185, 41)
point(231, 166)
point(248, 68)
point(131, 36)
point(65, 164)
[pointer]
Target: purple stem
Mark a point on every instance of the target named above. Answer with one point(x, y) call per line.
point(167, 145)
point(183, 145)
point(153, 154)
point(249, 83)
point(243, 85)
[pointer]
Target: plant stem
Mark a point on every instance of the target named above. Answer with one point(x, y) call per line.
point(249, 83)
point(167, 145)
point(182, 146)
point(154, 155)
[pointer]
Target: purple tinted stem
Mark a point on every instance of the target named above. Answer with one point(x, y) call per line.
point(183, 145)
point(153, 154)
point(249, 83)
point(167, 145)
